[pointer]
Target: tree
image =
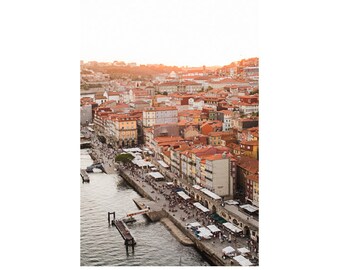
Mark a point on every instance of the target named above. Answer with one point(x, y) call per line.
point(125, 157)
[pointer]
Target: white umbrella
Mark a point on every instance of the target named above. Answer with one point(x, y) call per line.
point(228, 250)
point(242, 261)
point(243, 250)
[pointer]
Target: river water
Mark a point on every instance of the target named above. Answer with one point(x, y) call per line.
point(101, 244)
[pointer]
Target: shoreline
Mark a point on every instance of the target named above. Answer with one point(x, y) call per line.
point(211, 256)
point(209, 250)
point(176, 232)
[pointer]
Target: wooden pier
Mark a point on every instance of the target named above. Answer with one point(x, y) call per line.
point(84, 176)
point(123, 230)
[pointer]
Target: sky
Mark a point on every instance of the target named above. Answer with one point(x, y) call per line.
point(170, 32)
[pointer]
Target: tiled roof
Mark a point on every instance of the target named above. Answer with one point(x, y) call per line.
point(253, 177)
point(250, 142)
point(249, 164)
point(168, 139)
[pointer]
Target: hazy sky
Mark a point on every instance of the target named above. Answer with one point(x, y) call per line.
point(172, 32)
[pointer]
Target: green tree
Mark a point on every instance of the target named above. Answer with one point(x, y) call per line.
point(125, 157)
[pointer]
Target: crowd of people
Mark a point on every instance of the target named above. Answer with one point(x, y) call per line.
point(168, 193)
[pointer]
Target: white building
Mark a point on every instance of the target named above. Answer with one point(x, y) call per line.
point(217, 175)
point(246, 108)
point(168, 87)
point(112, 96)
point(160, 115)
point(196, 104)
point(227, 120)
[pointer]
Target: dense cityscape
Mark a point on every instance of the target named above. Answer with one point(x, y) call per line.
point(186, 139)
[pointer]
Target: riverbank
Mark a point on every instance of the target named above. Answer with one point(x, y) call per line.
point(180, 216)
point(184, 240)
point(212, 250)
point(102, 245)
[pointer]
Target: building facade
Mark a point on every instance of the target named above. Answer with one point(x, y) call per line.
point(159, 115)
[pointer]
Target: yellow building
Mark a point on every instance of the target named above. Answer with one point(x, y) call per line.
point(124, 130)
point(250, 148)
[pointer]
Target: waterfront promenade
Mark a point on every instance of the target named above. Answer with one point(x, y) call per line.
point(182, 213)
point(179, 211)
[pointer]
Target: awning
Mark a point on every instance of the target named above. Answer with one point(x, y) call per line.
point(242, 260)
point(232, 227)
point(243, 250)
point(201, 207)
point(141, 162)
point(183, 195)
point(136, 155)
point(132, 149)
point(156, 175)
point(231, 202)
point(249, 208)
point(195, 224)
point(210, 194)
point(163, 164)
point(197, 187)
point(218, 218)
point(228, 250)
point(213, 228)
point(204, 232)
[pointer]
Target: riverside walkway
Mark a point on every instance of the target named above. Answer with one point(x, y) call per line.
point(180, 212)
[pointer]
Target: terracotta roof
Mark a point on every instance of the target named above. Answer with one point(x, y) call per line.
point(100, 97)
point(234, 146)
point(248, 96)
point(249, 164)
point(221, 133)
point(168, 84)
point(253, 177)
point(248, 104)
point(108, 103)
point(227, 112)
point(168, 139)
point(214, 157)
point(250, 142)
point(249, 119)
point(121, 105)
point(111, 93)
point(140, 102)
point(182, 122)
point(165, 108)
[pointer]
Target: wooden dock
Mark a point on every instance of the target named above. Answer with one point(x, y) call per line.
point(123, 230)
point(84, 176)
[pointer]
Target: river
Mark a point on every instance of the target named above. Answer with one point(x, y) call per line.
point(102, 245)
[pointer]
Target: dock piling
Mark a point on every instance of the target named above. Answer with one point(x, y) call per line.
point(123, 230)
point(109, 217)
